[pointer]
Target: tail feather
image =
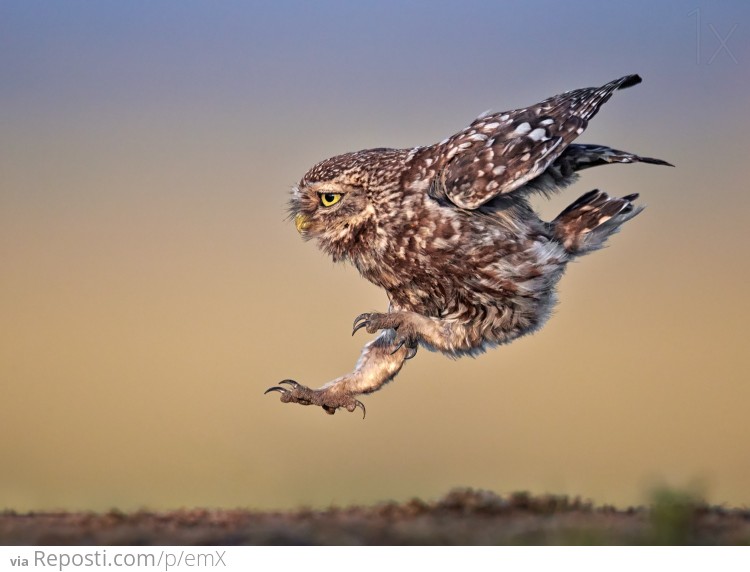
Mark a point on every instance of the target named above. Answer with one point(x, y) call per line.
point(586, 224)
point(652, 161)
point(628, 81)
point(582, 156)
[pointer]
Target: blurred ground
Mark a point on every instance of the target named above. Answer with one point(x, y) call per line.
point(462, 517)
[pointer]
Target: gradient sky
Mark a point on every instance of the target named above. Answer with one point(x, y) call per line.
point(151, 288)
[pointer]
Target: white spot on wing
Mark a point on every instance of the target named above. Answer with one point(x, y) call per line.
point(522, 129)
point(451, 152)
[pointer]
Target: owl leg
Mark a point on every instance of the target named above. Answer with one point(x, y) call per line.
point(377, 365)
point(411, 329)
point(406, 330)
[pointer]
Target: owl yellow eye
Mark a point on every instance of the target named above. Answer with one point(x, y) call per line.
point(329, 199)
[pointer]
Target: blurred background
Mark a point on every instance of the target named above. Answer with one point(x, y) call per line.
point(151, 288)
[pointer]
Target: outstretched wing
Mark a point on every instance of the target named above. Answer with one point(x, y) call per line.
point(501, 152)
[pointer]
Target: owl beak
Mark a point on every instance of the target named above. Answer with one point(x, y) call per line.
point(301, 222)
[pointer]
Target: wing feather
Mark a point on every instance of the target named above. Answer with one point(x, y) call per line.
point(499, 153)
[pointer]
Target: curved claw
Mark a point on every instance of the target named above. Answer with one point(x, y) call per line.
point(411, 349)
point(290, 382)
point(358, 403)
point(276, 388)
point(360, 322)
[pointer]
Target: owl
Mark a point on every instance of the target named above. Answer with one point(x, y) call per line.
point(448, 232)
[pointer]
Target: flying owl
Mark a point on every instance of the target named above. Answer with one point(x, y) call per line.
point(448, 232)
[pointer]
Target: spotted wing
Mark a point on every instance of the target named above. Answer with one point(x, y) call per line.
point(501, 152)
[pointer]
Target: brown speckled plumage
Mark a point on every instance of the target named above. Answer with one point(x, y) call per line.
point(447, 231)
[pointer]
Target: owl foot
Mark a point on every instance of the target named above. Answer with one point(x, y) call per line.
point(330, 401)
point(406, 334)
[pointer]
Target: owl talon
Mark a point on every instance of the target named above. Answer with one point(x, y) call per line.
point(411, 346)
point(358, 403)
point(275, 388)
point(360, 322)
point(291, 382)
point(374, 321)
point(326, 399)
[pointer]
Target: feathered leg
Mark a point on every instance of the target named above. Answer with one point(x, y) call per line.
point(379, 363)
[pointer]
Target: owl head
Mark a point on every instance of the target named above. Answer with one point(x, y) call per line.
point(336, 202)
